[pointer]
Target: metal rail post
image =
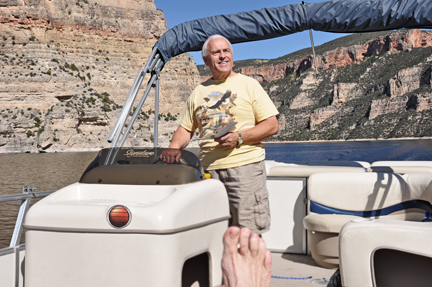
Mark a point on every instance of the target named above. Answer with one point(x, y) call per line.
point(126, 107)
point(155, 68)
point(25, 204)
point(313, 51)
point(156, 122)
point(18, 229)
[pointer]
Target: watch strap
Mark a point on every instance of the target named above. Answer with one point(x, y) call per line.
point(240, 139)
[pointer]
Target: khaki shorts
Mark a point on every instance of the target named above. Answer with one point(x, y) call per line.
point(248, 195)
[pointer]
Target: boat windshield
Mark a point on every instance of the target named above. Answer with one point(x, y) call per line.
point(128, 165)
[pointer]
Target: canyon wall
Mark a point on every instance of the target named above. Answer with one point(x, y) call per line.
point(342, 56)
point(71, 64)
point(378, 89)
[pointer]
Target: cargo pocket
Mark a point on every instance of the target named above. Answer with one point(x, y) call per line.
point(262, 212)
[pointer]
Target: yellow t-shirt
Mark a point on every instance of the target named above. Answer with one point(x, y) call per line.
point(215, 103)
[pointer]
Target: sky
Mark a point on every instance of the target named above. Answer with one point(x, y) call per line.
point(179, 11)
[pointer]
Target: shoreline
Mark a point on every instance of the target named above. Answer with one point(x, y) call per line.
point(196, 146)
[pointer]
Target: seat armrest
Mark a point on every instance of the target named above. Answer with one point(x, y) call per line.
point(359, 239)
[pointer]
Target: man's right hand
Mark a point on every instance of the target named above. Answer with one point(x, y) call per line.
point(171, 155)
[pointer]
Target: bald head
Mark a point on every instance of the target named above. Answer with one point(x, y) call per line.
point(204, 51)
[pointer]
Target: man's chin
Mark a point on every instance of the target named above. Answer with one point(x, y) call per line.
point(224, 70)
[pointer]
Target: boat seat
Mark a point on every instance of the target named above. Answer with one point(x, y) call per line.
point(336, 198)
point(401, 166)
point(144, 174)
point(286, 185)
point(382, 252)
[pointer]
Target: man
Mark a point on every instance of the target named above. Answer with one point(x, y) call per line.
point(236, 158)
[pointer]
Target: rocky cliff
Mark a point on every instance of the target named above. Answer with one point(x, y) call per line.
point(381, 88)
point(67, 67)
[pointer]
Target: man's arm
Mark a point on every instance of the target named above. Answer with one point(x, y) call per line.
point(180, 140)
point(263, 130)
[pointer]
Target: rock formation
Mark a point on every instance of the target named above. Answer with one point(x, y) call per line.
point(404, 81)
point(71, 64)
point(302, 99)
point(378, 89)
point(342, 56)
point(343, 92)
point(385, 106)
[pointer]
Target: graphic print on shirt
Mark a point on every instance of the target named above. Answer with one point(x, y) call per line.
point(215, 113)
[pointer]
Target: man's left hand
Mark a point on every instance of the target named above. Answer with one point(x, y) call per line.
point(229, 140)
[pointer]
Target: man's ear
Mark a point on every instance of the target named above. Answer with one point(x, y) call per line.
point(205, 60)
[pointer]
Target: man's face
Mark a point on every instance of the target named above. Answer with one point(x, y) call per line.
point(219, 58)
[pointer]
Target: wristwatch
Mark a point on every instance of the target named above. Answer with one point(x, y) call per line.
point(240, 139)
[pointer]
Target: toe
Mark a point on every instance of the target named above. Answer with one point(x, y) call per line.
point(268, 260)
point(244, 241)
point(231, 239)
point(262, 249)
point(254, 244)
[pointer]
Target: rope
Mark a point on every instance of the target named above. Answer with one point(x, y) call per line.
point(296, 278)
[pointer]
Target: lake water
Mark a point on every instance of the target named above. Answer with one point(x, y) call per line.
point(52, 171)
point(368, 151)
point(45, 171)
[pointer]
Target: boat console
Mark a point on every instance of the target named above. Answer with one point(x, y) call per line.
point(131, 221)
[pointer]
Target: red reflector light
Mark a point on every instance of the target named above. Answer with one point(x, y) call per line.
point(119, 216)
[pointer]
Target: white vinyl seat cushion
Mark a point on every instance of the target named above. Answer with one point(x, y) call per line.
point(359, 241)
point(306, 169)
point(401, 166)
point(337, 198)
point(368, 191)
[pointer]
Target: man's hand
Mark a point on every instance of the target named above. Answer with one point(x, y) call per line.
point(171, 155)
point(229, 140)
point(180, 140)
point(263, 130)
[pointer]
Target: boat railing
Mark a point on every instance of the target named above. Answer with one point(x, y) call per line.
point(14, 246)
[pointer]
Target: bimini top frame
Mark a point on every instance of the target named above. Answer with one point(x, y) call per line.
point(153, 66)
point(337, 16)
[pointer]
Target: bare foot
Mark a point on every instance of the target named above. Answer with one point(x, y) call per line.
point(249, 265)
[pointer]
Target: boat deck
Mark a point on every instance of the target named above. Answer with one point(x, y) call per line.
point(290, 266)
point(294, 265)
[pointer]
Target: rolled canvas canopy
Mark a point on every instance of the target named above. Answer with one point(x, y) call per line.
point(337, 16)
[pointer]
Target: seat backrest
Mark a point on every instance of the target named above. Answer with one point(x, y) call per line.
point(368, 191)
point(401, 166)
